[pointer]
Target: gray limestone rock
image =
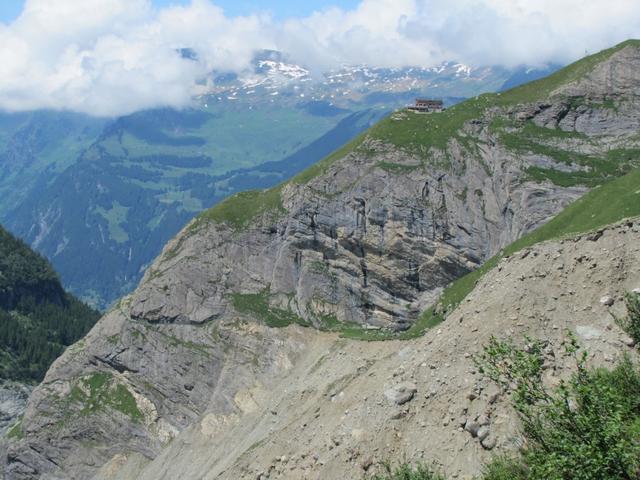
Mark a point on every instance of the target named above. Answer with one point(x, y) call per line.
point(483, 433)
point(607, 301)
point(472, 427)
point(489, 443)
point(401, 393)
point(13, 401)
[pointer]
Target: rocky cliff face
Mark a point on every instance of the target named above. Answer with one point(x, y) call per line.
point(363, 241)
point(360, 243)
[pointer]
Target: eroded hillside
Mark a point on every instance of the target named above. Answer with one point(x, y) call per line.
point(345, 406)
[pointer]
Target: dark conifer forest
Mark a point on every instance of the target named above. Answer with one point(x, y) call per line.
point(38, 319)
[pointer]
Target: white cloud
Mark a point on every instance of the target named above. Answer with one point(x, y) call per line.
point(511, 32)
point(111, 57)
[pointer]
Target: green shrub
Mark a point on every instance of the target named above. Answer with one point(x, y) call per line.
point(99, 391)
point(586, 429)
point(257, 304)
point(631, 323)
point(504, 468)
point(406, 471)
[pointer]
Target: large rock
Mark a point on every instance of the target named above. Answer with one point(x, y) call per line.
point(401, 393)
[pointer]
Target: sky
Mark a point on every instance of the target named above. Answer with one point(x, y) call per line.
point(280, 9)
point(112, 57)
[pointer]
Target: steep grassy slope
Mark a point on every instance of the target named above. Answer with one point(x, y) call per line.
point(420, 133)
point(38, 319)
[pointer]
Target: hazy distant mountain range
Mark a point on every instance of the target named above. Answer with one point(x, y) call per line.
point(276, 80)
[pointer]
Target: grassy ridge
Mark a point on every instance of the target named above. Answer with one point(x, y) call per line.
point(238, 210)
point(418, 134)
point(544, 87)
point(323, 165)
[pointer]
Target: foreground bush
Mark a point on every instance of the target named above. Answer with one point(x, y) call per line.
point(408, 472)
point(631, 323)
point(586, 429)
point(505, 468)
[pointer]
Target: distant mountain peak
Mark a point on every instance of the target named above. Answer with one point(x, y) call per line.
point(289, 70)
point(269, 55)
point(274, 74)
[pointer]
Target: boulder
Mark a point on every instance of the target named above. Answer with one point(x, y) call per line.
point(607, 301)
point(401, 393)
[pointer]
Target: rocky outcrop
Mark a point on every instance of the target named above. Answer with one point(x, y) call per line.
point(374, 237)
point(187, 366)
point(138, 385)
point(13, 401)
